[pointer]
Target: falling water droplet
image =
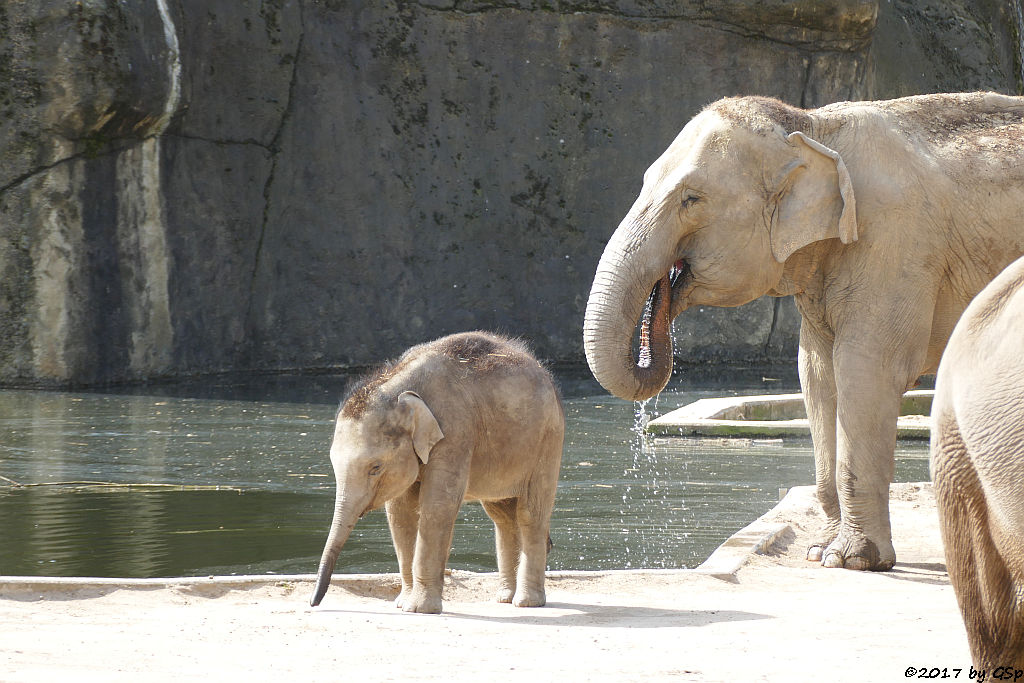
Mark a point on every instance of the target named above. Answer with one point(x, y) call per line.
point(640, 417)
point(642, 546)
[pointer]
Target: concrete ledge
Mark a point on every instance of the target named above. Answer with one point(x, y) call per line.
point(759, 536)
point(752, 539)
point(779, 415)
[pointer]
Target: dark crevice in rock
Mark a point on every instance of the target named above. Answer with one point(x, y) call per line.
point(275, 148)
point(803, 104)
point(840, 26)
point(108, 150)
point(786, 36)
point(776, 304)
point(249, 142)
point(28, 175)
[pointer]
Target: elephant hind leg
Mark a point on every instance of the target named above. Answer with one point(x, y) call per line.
point(507, 544)
point(534, 517)
point(986, 590)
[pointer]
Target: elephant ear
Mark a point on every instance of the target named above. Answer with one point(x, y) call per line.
point(815, 199)
point(422, 424)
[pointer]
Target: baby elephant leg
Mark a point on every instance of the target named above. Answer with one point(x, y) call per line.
point(403, 519)
point(433, 544)
point(533, 514)
point(506, 541)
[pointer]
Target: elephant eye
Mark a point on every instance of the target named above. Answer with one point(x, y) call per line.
point(375, 469)
point(689, 200)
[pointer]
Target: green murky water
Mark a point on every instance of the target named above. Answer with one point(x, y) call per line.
point(239, 482)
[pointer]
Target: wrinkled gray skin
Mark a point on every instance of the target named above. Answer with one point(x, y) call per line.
point(884, 219)
point(978, 468)
point(471, 416)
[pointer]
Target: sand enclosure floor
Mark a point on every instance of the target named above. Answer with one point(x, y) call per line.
point(776, 618)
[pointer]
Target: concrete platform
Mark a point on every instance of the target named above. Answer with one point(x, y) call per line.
point(756, 611)
point(774, 415)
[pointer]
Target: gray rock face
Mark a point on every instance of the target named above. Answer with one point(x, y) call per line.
point(198, 186)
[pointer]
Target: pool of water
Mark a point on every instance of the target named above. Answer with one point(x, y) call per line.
point(233, 477)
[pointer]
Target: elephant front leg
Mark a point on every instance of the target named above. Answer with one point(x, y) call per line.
point(817, 379)
point(441, 496)
point(868, 407)
point(403, 520)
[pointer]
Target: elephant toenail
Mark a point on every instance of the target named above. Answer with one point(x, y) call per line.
point(833, 560)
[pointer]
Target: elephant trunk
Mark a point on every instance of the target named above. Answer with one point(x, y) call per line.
point(620, 299)
point(345, 516)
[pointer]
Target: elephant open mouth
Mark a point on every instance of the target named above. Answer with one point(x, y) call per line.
point(657, 316)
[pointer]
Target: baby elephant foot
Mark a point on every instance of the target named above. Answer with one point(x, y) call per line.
point(529, 598)
point(857, 551)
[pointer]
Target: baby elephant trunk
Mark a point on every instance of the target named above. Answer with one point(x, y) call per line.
point(341, 527)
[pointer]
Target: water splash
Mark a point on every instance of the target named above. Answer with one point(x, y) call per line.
point(639, 428)
point(644, 500)
point(651, 518)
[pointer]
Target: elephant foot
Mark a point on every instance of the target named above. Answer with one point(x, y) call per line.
point(421, 602)
point(858, 552)
point(425, 607)
point(529, 598)
point(505, 595)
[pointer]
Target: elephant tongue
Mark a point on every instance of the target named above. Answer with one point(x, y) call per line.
point(655, 316)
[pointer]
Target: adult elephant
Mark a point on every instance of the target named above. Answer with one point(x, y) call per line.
point(977, 459)
point(883, 219)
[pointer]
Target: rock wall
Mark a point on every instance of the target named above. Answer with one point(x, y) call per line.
point(194, 186)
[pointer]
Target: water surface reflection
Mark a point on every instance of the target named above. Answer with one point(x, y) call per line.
point(246, 486)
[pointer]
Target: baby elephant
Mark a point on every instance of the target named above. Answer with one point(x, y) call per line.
point(977, 462)
point(471, 416)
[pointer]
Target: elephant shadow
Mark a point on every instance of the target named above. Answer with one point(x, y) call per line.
point(931, 573)
point(629, 616)
point(600, 616)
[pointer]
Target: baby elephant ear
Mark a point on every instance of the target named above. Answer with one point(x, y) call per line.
point(816, 199)
point(422, 424)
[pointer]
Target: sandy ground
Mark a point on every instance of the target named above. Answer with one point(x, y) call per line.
point(777, 618)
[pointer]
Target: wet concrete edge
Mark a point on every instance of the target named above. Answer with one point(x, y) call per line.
point(704, 418)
